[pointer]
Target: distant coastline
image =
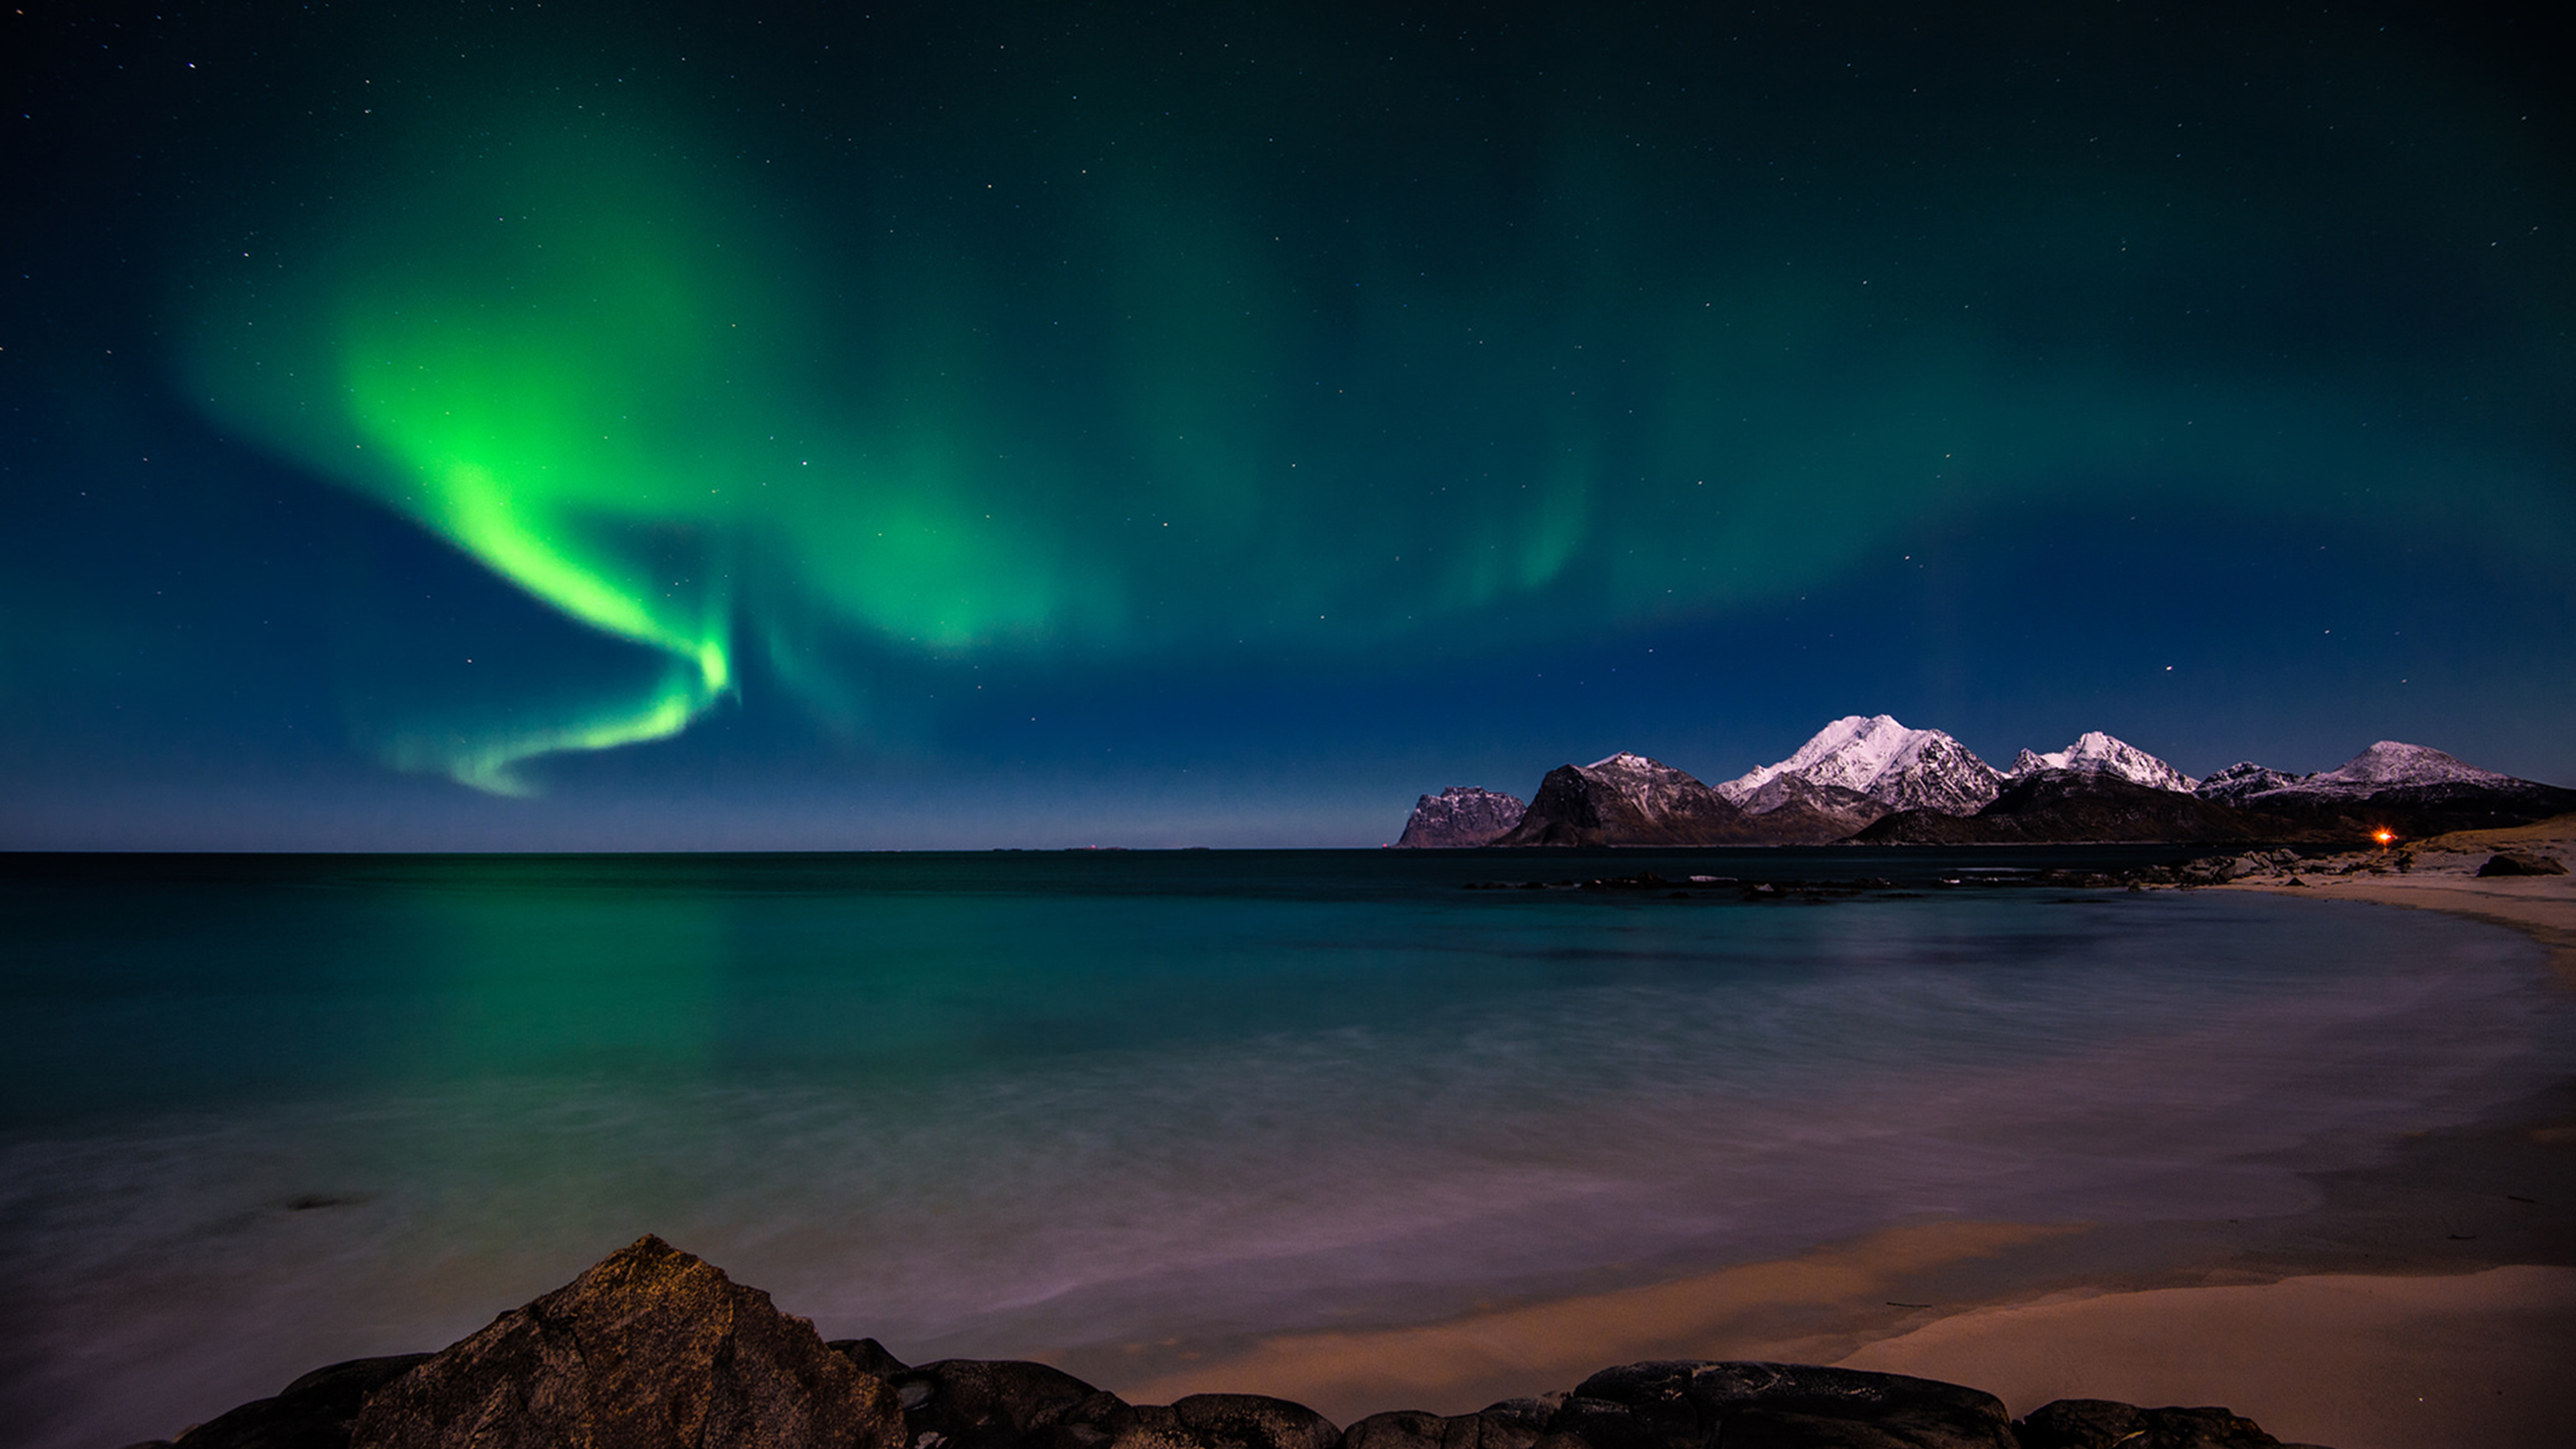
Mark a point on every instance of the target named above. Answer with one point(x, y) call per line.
point(1875, 782)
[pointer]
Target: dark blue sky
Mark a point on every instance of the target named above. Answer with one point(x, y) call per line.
point(600, 426)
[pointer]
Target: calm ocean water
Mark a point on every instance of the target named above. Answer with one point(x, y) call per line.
point(257, 1114)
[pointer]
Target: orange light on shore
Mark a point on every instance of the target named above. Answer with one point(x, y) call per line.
point(2384, 835)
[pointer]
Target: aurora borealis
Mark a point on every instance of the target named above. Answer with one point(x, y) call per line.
point(586, 425)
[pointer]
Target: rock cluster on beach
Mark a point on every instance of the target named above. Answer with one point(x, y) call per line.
point(653, 1348)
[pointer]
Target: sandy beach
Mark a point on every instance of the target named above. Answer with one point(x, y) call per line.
point(2426, 1303)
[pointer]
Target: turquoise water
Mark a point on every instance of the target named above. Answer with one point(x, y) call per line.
point(257, 1114)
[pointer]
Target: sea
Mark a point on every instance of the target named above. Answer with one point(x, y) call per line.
point(262, 1113)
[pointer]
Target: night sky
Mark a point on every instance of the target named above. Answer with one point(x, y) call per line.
point(624, 426)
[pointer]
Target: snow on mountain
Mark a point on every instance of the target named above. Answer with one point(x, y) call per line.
point(1901, 768)
point(1652, 786)
point(2388, 765)
point(2245, 778)
point(1628, 799)
point(2094, 750)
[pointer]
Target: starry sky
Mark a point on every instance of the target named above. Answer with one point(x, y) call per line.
point(637, 426)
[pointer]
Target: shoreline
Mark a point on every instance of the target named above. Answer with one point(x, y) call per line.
point(2444, 878)
point(2426, 1302)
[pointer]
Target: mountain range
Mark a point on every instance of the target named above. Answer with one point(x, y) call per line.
point(1873, 780)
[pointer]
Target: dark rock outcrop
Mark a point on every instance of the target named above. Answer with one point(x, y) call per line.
point(1460, 817)
point(2101, 1424)
point(2522, 862)
point(651, 1349)
point(1686, 1405)
point(317, 1411)
point(1512, 1424)
point(1630, 800)
point(970, 1404)
point(655, 1349)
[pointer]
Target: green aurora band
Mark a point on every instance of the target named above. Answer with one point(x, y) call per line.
point(553, 369)
point(1143, 422)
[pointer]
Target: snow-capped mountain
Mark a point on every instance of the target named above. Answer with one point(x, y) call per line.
point(2411, 788)
point(1460, 816)
point(1900, 768)
point(2389, 765)
point(2096, 751)
point(1651, 787)
point(1924, 786)
point(2242, 780)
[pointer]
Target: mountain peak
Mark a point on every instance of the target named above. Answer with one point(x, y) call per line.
point(1876, 755)
point(2391, 762)
point(1627, 799)
point(2095, 751)
point(1625, 760)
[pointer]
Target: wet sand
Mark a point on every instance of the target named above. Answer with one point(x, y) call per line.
point(2354, 1361)
point(2427, 1302)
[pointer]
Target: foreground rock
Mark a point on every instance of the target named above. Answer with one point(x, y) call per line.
point(1460, 817)
point(2101, 1424)
point(2522, 862)
point(656, 1349)
point(651, 1347)
point(317, 1411)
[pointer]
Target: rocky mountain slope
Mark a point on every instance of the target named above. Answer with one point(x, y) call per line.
point(1459, 817)
point(1629, 799)
point(2088, 807)
point(1798, 812)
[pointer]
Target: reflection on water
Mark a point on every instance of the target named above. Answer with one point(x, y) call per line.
point(262, 1115)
